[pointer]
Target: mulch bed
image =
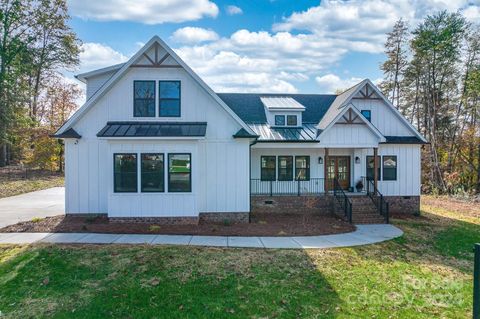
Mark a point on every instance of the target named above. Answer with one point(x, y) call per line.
point(270, 224)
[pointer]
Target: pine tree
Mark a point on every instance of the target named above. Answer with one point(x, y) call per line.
point(394, 67)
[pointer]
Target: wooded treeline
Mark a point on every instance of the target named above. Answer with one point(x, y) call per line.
point(36, 45)
point(432, 75)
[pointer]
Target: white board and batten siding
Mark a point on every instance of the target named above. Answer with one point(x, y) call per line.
point(220, 164)
point(383, 117)
point(408, 164)
point(348, 135)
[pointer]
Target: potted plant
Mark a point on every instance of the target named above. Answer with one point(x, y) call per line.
point(359, 186)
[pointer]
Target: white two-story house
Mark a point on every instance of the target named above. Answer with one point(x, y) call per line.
point(154, 142)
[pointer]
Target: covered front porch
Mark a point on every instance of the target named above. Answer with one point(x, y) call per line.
point(298, 180)
point(312, 171)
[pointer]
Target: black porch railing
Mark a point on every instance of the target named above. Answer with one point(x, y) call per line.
point(378, 199)
point(343, 200)
point(313, 186)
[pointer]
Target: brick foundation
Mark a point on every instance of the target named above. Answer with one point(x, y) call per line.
point(156, 220)
point(403, 204)
point(235, 218)
point(319, 204)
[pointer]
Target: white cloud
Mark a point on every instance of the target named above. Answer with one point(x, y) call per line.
point(361, 25)
point(331, 83)
point(97, 55)
point(145, 11)
point(194, 35)
point(472, 13)
point(232, 10)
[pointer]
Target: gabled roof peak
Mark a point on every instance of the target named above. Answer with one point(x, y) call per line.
point(154, 41)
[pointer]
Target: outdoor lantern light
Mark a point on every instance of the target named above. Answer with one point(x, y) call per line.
point(357, 160)
point(320, 160)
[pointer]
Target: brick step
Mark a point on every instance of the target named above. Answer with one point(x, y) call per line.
point(364, 208)
point(366, 213)
point(372, 221)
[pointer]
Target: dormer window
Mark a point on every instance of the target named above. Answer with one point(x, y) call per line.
point(291, 120)
point(169, 99)
point(144, 98)
point(279, 120)
point(283, 111)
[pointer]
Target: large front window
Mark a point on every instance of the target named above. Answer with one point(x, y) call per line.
point(169, 98)
point(390, 168)
point(179, 173)
point(152, 173)
point(125, 173)
point(370, 166)
point(285, 168)
point(302, 168)
point(144, 98)
point(267, 168)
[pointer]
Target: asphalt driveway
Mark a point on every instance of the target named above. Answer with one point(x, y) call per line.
point(44, 203)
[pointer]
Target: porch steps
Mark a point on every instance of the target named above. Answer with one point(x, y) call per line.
point(364, 211)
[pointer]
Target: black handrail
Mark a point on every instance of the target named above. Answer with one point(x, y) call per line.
point(312, 186)
point(343, 200)
point(377, 198)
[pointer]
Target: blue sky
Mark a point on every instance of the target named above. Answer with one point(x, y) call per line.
point(289, 46)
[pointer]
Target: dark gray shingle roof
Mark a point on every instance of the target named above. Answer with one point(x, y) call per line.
point(250, 109)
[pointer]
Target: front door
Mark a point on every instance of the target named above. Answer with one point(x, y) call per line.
point(339, 167)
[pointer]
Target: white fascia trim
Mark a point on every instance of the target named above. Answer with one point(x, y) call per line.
point(286, 109)
point(97, 95)
point(356, 111)
point(84, 76)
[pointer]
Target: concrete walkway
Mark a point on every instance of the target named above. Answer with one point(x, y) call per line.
point(44, 203)
point(364, 235)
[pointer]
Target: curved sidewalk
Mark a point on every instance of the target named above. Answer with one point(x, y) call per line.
point(363, 235)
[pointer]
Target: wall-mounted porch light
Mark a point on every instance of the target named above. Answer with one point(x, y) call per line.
point(320, 160)
point(357, 160)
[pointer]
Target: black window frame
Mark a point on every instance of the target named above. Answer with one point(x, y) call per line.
point(162, 173)
point(274, 168)
point(160, 99)
point(143, 99)
point(280, 116)
point(369, 117)
point(115, 175)
point(379, 167)
point(169, 173)
point(287, 177)
point(396, 168)
point(290, 117)
point(307, 177)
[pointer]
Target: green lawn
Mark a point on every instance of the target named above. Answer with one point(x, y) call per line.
point(424, 274)
point(34, 182)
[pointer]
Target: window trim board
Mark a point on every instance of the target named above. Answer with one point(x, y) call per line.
point(163, 173)
point(292, 175)
point(136, 171)
point(154, 99)
point(190, 174)
point(307, 168)
point(170, 99)
point(275, 169)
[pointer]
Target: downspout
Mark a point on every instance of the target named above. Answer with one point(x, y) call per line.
point(250, 177)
